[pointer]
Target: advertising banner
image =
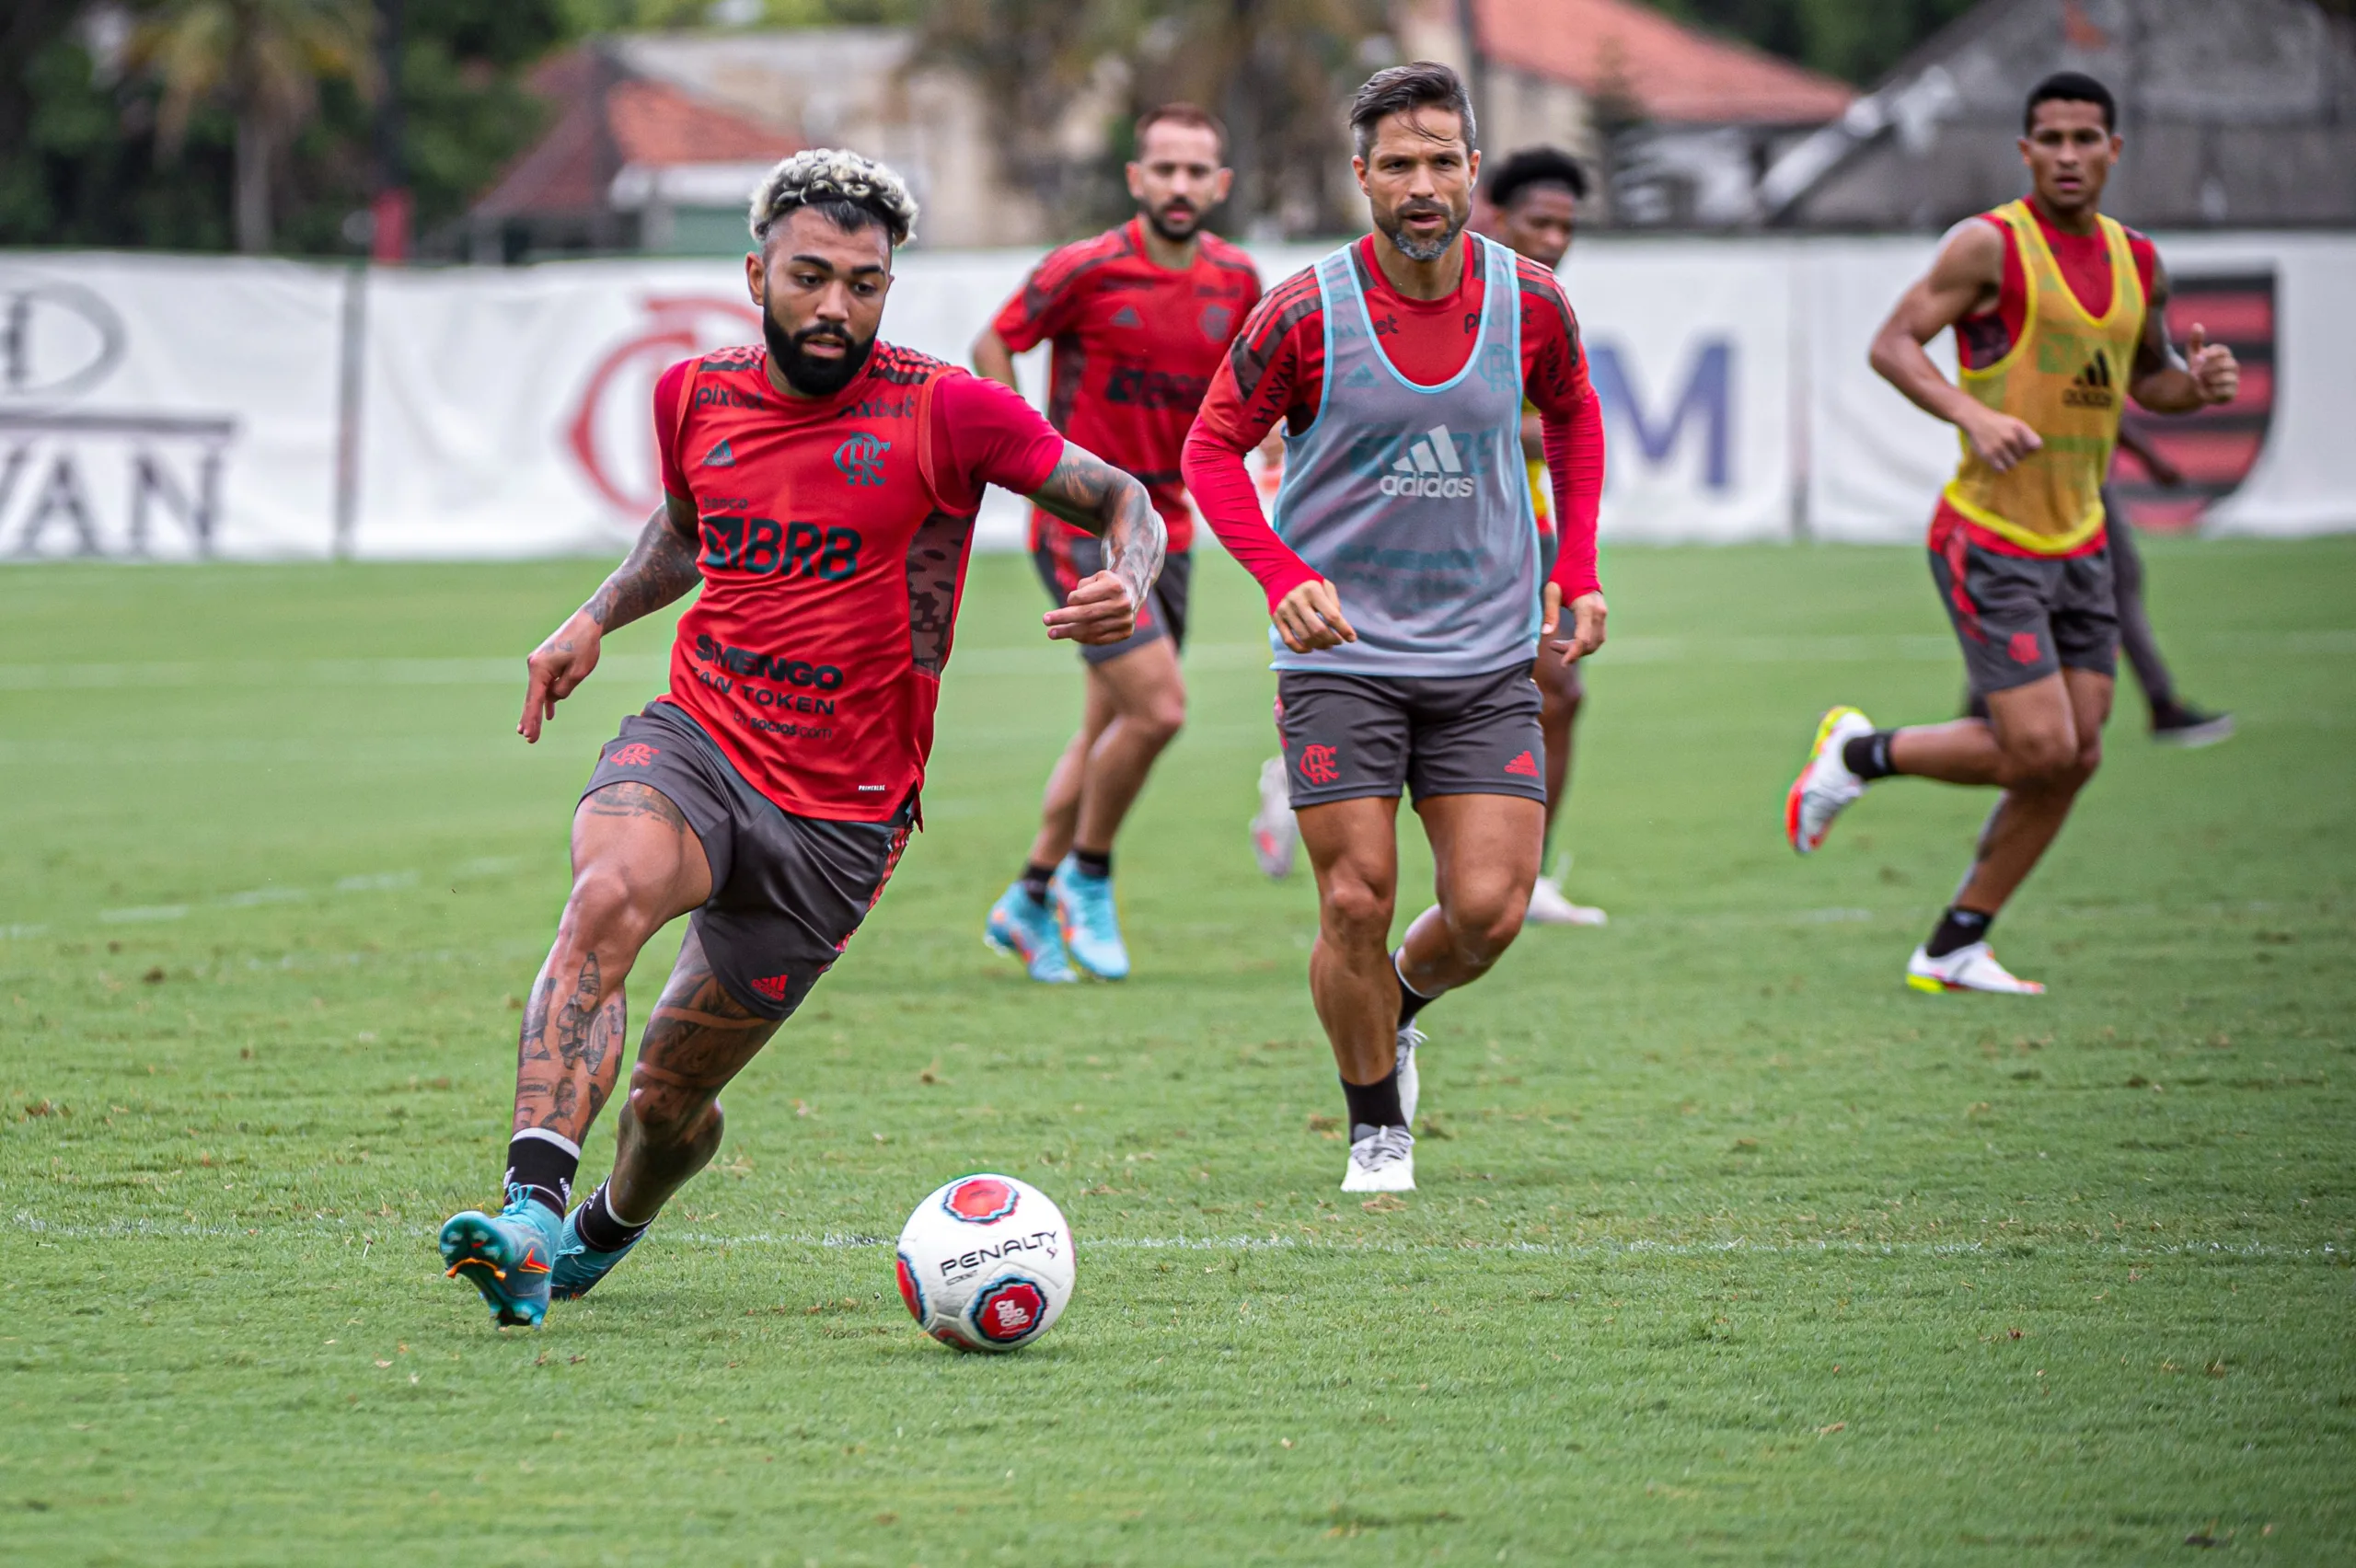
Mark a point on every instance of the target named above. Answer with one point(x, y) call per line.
point(160, 407)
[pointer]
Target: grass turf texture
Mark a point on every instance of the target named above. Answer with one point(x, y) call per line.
point(1729, 1247)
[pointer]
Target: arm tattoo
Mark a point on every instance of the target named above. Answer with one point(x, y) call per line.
point(661, 567)
point(1086, 491)
point(2153, 351)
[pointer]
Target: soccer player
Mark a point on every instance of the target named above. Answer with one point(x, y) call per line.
point(821, 486)
point(2058, 312)
point(1138, 316)
point(1403, 577)
point(1531, 204)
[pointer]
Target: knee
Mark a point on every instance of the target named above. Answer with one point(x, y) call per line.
point(671, 1114)
point(1485, 925)
point(603, 912)
point(1162, 719)
point(1357, 909)
point(2043, 758)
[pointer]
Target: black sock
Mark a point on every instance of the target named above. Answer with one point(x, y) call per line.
point(1093, 863)
point(1374, 1104)
point(1958, 928)
point(1035, 881)
point(1867, 757)
point(544, 1168)
point(1411, 1001)
point(599, 1228)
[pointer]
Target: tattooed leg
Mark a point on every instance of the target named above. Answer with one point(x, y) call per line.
point(636, 866)
point(699, 1039)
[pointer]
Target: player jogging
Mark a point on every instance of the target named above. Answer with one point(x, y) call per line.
point(1402, 576)
point(821, 486)
point(1138, 316)
point(1529, 202)
point(2059, 313)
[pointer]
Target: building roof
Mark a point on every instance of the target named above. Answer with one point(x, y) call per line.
point(610, 120)
point(1670, 71)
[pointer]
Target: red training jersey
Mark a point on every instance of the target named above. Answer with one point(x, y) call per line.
point(1277, 371)
point(1134, 347)
point(834, 536)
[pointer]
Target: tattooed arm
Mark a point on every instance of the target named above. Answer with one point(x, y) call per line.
point(2168, 382)
point(1090, 493)
point(661, 568)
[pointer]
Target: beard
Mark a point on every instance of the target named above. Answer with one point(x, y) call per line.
point(1175, 222)
point(1418, 250)
point(807, 374)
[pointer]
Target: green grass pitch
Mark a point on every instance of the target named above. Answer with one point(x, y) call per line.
point(1728, 1248)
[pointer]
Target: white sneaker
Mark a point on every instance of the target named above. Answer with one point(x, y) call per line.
point(1972, 968)
point(1825, 785)
point(1548, 907)
point(1382, 1161)
point(1411, 1083)
point(1274, 833)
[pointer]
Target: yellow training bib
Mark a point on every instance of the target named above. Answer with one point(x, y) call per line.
point(2066, 378)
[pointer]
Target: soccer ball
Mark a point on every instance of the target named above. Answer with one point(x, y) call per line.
point(986, 1264)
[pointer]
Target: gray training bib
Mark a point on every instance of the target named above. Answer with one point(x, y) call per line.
point(1413, 501)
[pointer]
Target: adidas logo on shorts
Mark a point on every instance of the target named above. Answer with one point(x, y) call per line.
point(1430, 469)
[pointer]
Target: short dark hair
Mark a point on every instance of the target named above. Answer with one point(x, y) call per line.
point(2069, 86)
point(1529, 166)
point(1188, 114)
point(1420, 84)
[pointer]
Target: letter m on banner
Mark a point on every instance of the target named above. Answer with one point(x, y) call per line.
point(1706, 401)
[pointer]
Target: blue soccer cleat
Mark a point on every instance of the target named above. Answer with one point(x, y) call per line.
point(1085, 916)
point(1027, 931)
point(580, 1267)
point(509, 1256)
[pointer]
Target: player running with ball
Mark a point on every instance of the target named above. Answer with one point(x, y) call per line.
point(1402, 576)
point(2059, 313)
point(821, 486)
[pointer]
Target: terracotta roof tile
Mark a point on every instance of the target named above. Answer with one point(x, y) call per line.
point(657, 124)
point(1672, 72)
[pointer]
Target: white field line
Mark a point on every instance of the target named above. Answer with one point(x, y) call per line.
point(1032, 659)
point(33, 1223)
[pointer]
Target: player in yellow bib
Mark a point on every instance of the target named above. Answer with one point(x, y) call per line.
point(2059, 314)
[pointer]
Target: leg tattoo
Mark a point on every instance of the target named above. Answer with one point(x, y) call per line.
point(698, 1038)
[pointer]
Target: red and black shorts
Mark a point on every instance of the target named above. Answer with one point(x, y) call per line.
point(1350, 736)
point(2021, 617)
point(787, 891)
point(1068, 558)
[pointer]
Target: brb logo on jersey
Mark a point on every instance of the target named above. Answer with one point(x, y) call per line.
point(861, 458)
point(1430, 467)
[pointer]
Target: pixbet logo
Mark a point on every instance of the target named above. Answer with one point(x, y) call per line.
point(1430, 469)
point(861, 458)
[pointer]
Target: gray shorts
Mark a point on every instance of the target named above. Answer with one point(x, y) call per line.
point(2020, 619)
point(1072, 557)
point(1350, 736)
point(787, 891)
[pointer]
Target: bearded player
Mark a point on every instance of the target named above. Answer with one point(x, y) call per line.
point(2058, 313)
point(1138, 317)
point(1403, 577)
point(821, 486)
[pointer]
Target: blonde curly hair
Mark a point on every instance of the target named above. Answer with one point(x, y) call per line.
point(852, 190)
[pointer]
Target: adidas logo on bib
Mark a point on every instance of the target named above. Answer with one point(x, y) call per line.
point(1430, 468)
point(2092, 389)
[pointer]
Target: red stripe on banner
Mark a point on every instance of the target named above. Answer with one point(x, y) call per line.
point(2218, 457)
point(2237, 318)
point(2171, 514)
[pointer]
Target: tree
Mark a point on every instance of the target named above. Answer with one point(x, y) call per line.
point(1858, 40)
point(263, 60)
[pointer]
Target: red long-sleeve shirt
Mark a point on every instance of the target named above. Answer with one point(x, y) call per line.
point(1276, 370)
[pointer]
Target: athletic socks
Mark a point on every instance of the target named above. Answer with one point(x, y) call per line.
point(1093, 863)
point(543, 1163)
point(1958, 928)
point(1035, 881)
point(600, 1229)
point(1373, 1105)
point(1411, 1001)
point(1867, 757)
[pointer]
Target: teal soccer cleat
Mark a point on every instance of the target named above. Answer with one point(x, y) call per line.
point(509, 1257)
point(1091, 928)
point(1027, 931)
point(580, 1267)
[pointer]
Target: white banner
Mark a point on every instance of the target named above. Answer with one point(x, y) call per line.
point(170, 406)
point(161, 408)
